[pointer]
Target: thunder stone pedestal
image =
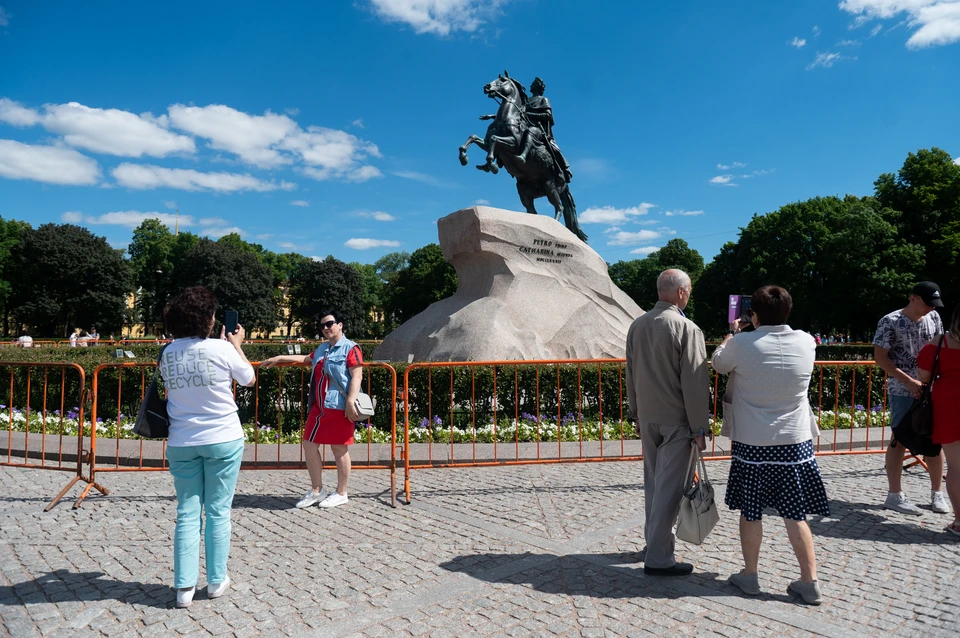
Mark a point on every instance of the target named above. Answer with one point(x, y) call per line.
point(528, 289)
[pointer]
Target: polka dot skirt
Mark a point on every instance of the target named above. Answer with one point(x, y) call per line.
point(784, 477)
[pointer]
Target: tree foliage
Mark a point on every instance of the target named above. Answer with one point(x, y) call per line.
point(638, 277)
point(316, 286)
point(64, 276)
point(236, 276)
point(426, 278)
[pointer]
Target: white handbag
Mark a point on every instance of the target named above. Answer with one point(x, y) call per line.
point(698, 509)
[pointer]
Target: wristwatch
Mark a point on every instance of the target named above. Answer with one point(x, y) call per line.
point(731, 332)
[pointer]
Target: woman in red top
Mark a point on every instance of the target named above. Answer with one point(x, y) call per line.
point(946, 406)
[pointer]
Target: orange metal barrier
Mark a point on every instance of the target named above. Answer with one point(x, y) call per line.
point(45, 419)
point(502, 421)
point(275, 425)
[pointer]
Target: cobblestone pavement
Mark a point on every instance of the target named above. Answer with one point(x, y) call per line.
point(497, 551)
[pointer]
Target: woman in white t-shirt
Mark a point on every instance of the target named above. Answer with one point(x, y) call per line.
point(205, 445)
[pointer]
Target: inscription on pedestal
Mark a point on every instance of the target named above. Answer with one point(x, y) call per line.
point(547, 251)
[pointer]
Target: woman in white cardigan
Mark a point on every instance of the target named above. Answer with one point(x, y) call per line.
point(772, 428)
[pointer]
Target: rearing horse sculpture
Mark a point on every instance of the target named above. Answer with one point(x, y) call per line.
point(540, 175)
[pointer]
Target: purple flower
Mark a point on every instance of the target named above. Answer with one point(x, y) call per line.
point(437, 420)
point(424, 423)
point(859, 407)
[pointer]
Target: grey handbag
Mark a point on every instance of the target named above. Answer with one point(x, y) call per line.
point(698, 509)
point(365, 405)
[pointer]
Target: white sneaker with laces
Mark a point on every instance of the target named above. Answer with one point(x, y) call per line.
point(185, 597)
point(899, 503)
point(938, 504)
point(334, 500)
point(312, 498)
point(216, 591)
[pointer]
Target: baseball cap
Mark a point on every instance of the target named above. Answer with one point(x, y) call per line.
point(929, 292)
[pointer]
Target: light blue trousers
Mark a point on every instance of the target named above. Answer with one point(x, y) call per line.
point(204, 476)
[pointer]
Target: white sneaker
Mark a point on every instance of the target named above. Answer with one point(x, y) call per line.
point(216, 591)
point(334, 500)
point(312, 498)
point(899, 503)
point(938, 504)
point(185, 597)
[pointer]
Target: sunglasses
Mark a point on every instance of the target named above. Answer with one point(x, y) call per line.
point(327, 324)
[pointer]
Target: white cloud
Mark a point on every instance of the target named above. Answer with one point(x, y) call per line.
point(957, 161)
point(126, 218)
point(624, 238)
point(723, 180)
point(848, 43)
point(357, 122)
point(109, 131)
point(141, 176)
point(798, 42)
point(816, 31)
point(217, 233)
point(683, 213)
point(300, 202)
point(363, 243)
point(292, 111)
point(4, 17)
point(727, 167)
point(48, 164)
point(378, 215)
point(211, 221)
point(251, 137)
point(439, 17)
point(611, 215)
point(827, 60)
point(482, 202)
point(757, 173)
point(289, 245)
point(422, 178)
point(171, 204)
point(644, 250)
point(876, 30)
point(16, 114)
point(113, 131)
point(265, 236)
point(936, 22)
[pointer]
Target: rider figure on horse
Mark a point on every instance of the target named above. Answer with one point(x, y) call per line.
point(540, 114)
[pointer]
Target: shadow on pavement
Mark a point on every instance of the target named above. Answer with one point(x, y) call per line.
point(611, 575)
point(873, 522)
point(64, 585)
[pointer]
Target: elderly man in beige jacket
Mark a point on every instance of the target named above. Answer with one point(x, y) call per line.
point(668, 391)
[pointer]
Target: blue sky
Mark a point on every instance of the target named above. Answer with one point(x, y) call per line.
point(332, 127)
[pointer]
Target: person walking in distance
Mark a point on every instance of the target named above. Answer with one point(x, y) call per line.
point(668, 393)
point(896, 344)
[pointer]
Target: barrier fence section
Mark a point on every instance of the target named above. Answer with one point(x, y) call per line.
point(272, 413)
point(44, 414)
point(461, 414)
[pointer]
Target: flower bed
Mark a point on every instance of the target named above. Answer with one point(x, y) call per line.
point(528, 428)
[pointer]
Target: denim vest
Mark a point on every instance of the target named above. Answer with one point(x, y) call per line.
point(336, 368)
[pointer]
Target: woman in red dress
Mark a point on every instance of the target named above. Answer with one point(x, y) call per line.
point(334, 385)
point(946, 406)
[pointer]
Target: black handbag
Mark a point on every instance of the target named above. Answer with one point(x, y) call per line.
point(152, 419)
point(921, 412)
point(915, 429)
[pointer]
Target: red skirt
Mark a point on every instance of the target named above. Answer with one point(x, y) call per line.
point(326, 426)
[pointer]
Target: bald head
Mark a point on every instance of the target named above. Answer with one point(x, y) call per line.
point(673, 286)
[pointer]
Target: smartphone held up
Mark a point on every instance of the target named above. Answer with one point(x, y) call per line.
point(230, 321)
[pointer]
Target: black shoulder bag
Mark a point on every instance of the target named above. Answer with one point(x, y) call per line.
point(152, 419)
point(921, 412)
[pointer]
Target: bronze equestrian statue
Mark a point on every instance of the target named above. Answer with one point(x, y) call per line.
point(520, 139)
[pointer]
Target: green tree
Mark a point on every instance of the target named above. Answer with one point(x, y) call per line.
point(373, 295)
point(426, 278)
point(150, 259)
point(923, 199)
point(236, 276)
point(283, 266)
point(316, 286)
point(10, 236)
point(65, 276)
point(638, 277)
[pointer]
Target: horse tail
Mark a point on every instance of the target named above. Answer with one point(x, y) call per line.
point(570, 213)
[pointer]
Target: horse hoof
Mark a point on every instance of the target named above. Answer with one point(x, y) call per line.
point(463, 158)
point(483, 167)
point(494, 169)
